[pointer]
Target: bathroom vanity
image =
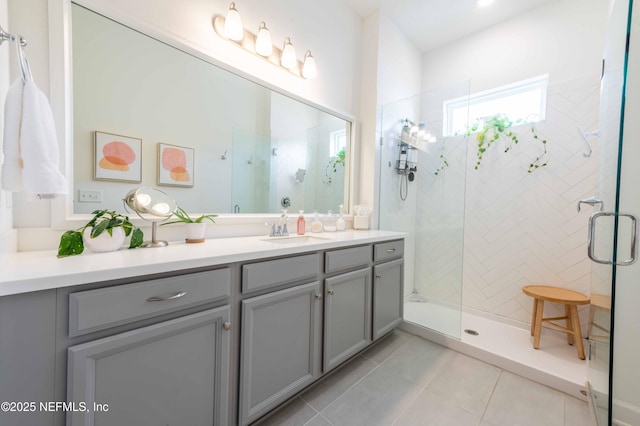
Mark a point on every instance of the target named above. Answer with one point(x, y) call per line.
point(218, 333)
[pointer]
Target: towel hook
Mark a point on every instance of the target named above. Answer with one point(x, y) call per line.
point(24, 64)
point(5, 36)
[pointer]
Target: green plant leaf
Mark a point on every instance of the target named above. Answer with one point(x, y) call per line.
point(128, 227)
point(136, 238)
point(70, 244)
point(99, 228)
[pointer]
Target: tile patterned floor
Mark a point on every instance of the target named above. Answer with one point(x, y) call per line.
point(405, 380)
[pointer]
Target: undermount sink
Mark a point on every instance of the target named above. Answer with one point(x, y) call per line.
point(295, 239)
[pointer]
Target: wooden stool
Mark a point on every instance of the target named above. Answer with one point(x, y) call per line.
point(570, 299)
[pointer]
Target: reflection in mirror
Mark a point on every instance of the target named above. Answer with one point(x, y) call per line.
point(229, 145)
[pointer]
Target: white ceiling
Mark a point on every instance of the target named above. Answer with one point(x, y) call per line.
point(432, 23)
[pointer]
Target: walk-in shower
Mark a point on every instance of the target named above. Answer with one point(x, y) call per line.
point(476, 236)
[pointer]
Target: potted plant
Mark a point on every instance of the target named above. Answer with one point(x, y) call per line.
point(195, 227)
point(333, 165)
point(106, 231)
point(489, 130)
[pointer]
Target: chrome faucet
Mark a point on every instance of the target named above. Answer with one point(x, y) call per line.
point(282, 224)
point(279, 230)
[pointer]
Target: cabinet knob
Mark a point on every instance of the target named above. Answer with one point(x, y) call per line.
point(318, 296)
point(378, 275)
point(330, 291)
point(226, 326)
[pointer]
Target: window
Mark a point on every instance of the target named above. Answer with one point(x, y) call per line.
point(524, 102)
point(337, 142)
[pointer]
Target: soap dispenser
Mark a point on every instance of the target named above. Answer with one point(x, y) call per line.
point(301, 223)
point(340, 223)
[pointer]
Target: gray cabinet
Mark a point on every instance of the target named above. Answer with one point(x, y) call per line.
point(171, 373)
point(387, 296)
point(347, 316)
point(27, 355)
point(280, 347)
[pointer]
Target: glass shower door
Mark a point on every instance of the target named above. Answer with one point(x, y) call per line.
point(422, 196)
point(613, 377)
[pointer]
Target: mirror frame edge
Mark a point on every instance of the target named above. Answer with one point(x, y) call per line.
point(61, 99)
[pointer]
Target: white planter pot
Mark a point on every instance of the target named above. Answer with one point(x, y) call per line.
point(195, 232)
point(104, 242)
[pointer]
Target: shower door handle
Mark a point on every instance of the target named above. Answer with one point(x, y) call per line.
point(634, 239)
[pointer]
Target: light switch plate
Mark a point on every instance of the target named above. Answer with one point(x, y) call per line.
point(89, 196)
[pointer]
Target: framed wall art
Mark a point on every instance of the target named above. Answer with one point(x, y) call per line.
point(175, 165)
point(117, 158)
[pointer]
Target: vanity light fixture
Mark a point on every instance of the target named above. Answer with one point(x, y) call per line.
point(288, 59)
point(231, 29)
point(263, 41)
point(309, 66)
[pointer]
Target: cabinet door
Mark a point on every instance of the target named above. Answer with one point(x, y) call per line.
point(387, 297)
point(347, 316)
point(172, 373)
point(280, 351)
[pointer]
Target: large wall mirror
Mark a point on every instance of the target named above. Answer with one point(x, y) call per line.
point(147, 113)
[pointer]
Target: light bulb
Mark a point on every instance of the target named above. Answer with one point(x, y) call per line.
point(161, 208)
point(143, 199)
point(288, 60)
point(263, 41)
point(413, 129)
point(309, 66)
point(233, 24)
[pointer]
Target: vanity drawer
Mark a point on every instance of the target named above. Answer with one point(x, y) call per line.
point(261, 275)
point(389, 250)
point(344, 259)
point(102, 308)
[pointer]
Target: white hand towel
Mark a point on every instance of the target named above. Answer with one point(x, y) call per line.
point(37, 146)
point(12, 166)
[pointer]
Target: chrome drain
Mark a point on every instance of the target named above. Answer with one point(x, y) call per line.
point(471, 332)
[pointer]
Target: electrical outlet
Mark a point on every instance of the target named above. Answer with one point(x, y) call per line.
point(89, 196)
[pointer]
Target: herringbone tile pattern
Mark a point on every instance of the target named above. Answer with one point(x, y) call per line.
point(505, 227)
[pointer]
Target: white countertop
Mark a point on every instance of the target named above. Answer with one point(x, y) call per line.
point(41, 270)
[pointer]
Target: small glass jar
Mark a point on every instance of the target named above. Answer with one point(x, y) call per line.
point(329, 222)
point(316, 224)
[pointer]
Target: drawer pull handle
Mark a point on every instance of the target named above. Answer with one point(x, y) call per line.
point(226, 326)
point(178, 295)
point(331, 291)
point(378, 275)
point(391, 250)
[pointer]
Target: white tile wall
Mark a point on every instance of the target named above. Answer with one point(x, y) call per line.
point(518, 228)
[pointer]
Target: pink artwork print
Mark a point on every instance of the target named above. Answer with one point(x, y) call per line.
point(117, 156)
point(174, 160)
point(176, 165)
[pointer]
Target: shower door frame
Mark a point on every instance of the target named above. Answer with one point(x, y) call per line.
point(623, 378)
